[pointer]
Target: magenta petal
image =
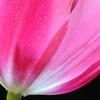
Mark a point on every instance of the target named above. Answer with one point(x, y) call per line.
point(49, 46)
point(79, 81)
point(77, 57)
point(27, 28)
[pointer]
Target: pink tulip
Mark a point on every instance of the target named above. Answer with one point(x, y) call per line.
point(48, 46)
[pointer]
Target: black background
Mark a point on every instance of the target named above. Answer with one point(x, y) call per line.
point(89, 92)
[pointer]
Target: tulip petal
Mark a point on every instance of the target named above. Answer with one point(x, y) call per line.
point(77, 58)
point(79, 81)
point(27, 27)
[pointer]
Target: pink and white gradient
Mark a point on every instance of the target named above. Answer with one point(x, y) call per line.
point(49, 46)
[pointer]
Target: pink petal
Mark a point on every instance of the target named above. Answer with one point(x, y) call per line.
point(79, 81)
point(27, 28)
point(77, 59)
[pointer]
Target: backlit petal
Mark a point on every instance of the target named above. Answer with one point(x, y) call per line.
point(77, 59)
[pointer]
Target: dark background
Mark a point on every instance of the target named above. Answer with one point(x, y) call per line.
point(89, 92)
